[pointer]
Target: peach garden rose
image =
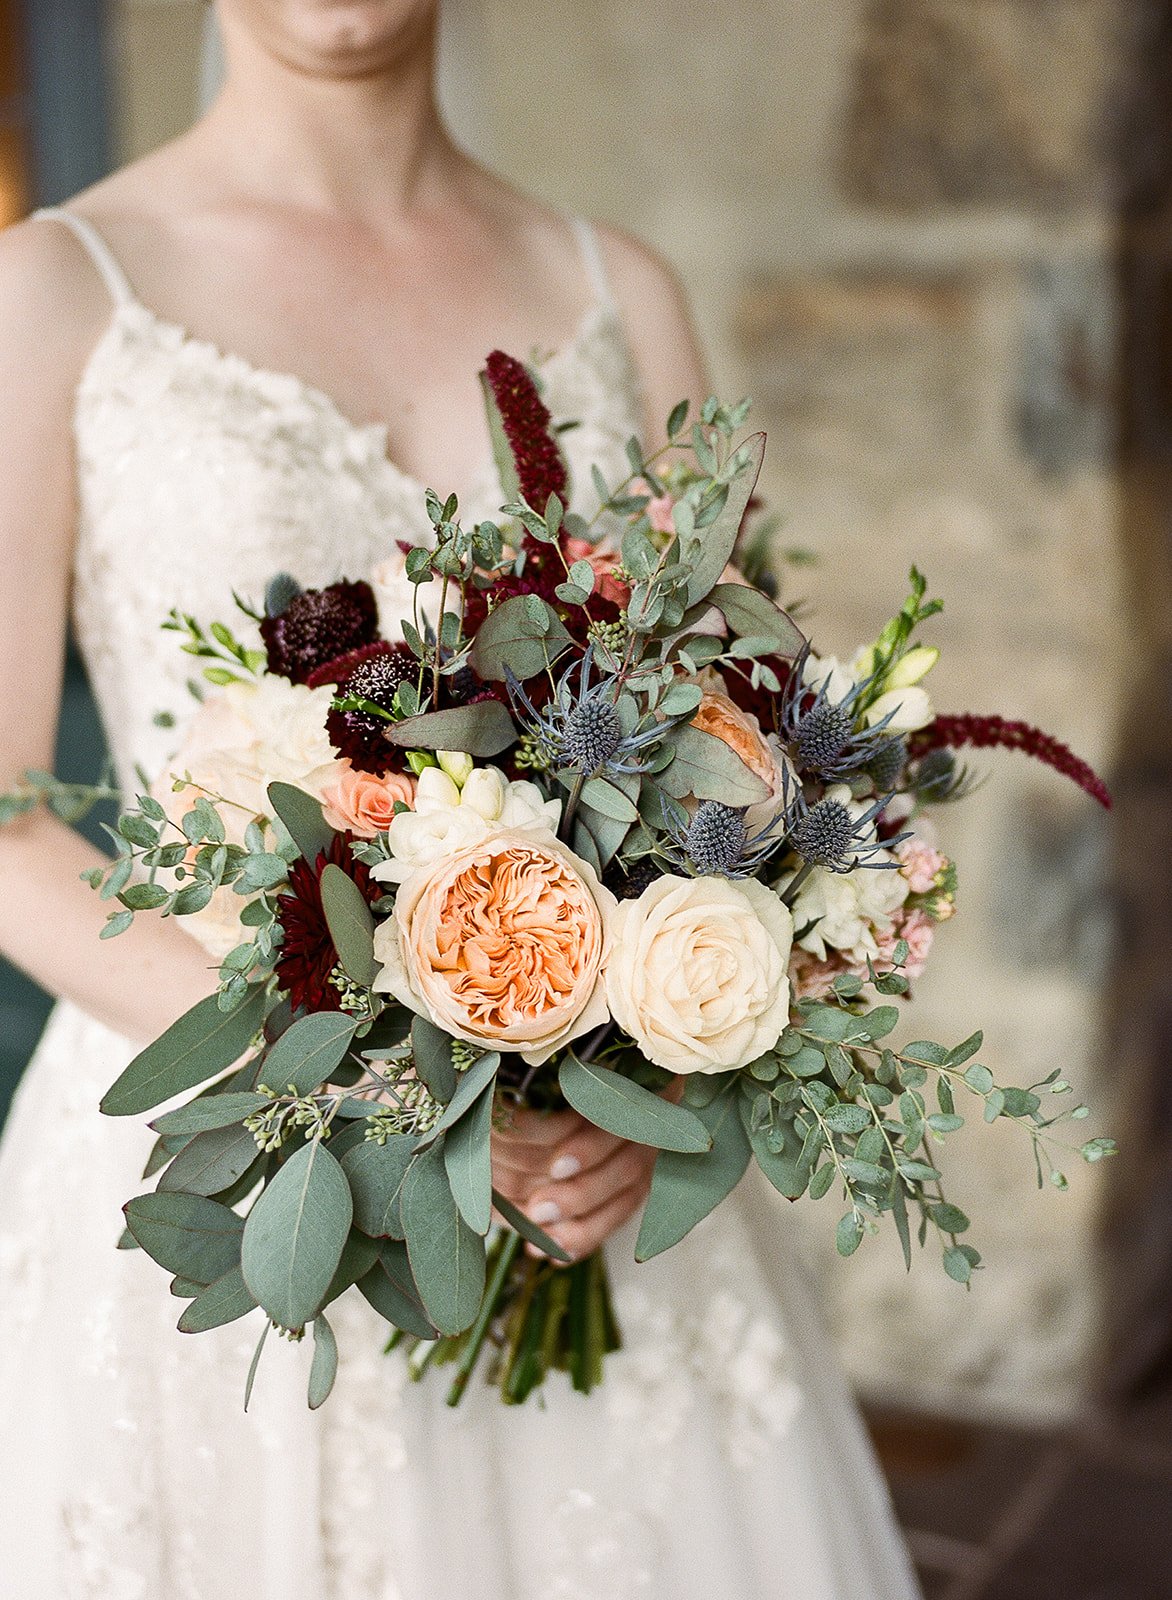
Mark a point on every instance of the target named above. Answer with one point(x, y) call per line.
point(501, 943)
point(720, 716)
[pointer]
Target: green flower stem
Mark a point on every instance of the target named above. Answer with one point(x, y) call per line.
point(505, 1254)
point(571, 806)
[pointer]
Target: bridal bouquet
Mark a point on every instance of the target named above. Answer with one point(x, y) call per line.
point(548, 811)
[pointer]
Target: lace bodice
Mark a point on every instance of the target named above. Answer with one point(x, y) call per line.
point(200, 473)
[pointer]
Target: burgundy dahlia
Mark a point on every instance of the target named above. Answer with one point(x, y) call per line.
point(317, 626)
point(984, 733)
point(372, 673)
point(308, 955)
point(541, 469)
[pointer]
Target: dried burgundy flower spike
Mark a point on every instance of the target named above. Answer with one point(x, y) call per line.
point(986, 733)
point(541, 469)
point(317, 626)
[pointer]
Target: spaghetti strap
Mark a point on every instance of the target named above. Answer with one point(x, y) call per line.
point(592, 259)
point(96, 248)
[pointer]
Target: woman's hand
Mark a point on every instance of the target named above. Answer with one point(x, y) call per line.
point(574, 1181)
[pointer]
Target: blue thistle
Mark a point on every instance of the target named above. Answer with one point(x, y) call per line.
point(580, 728)
point(715, 841)
point(826, 834)
point(822, 732)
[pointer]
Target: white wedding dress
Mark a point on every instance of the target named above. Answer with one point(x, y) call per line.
point(721, 1458)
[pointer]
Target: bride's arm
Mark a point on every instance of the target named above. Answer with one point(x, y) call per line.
point(52, 308)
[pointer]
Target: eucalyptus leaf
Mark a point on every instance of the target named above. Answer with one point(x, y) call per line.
point(188, 1234)
point(204, 1041)
point(390, 1288)
point(375, 1173)
point(323, 1369)
point(705, 767)
point(302, 816)
point(431, 1050)
point(684, 1189)
point(481, 730)
point(211, 1111)
point(307, 1053)
point(211, 1162)
point(468, 1162)
point(225, 1300)
point(512, 639)
point(623, 1107)
point(351, 925)
point(295, 1233)
point(447, 1258)
point(719, 540)
point(750, 613)
point(603, 797)
point(520, 1223)
point(470, 1085)
point(785, 1169)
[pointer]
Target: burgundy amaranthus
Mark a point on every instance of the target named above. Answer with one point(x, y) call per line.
point(541, 470)
point(985, 733)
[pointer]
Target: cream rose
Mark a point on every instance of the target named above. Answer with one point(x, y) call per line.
point(698, 972)
point(501, 944)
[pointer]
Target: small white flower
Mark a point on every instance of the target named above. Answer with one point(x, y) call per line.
point(456, 764)
point(446, 818)
point(909, 709)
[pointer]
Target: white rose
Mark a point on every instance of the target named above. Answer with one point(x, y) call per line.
point(397, 598)
point(447, 818)
point(697, 974)
point(844, 910)
point(290, 723)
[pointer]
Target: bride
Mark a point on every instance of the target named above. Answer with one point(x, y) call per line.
point(250, 352)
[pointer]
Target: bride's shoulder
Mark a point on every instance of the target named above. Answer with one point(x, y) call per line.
point(658, 316)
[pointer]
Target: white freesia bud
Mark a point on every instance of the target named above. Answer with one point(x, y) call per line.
point(909, 709)
point(484, 791)
point(828, 672)
point(456, 764)
point(911, 668)
point(435, 790)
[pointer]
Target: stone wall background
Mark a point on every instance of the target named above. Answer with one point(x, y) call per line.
point(899, 221)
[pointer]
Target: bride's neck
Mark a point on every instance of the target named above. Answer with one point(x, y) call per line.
point(359, 145)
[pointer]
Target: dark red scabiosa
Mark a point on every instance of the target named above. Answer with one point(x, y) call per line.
point(318, 625)
point(371, 673)
point(308, 955)
point(986, 733)
point(541, 468)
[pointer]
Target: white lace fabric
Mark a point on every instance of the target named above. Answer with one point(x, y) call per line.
point(722, 1456)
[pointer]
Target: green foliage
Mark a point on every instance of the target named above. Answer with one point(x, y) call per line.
point(523, 635)
point(483, 730)
point(351, 925)
point(624, 1108)
point(201, 1043)
point(447, 1257)
point(187, 1234)
point(685, 1188)
point(294, 1236)
point(308, 1052)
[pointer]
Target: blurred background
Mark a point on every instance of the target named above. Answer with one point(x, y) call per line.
point(933, 239)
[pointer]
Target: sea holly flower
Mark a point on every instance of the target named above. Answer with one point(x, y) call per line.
point(820, 719)
point(716, 841)
point(580, 727)
point(837, 833)
point(318, 625)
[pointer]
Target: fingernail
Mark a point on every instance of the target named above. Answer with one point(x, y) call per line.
point(565, 1167)
point(545, 1211)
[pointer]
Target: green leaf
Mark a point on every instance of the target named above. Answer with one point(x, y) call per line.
point(719, 539)
point(294, 1235)
point(201, 1043)
point(254, 1363)
point(603, 797)
point(684, 1189)
point(351, 925)
point(750, 613)
point(191, 1236)
point(847, 1119)
point(213, 1161)
point(390, 1288)
point(447, 1257)
point(624, 1108)
point(512, 639)
point(470, 1086)
point(957, 1263)
point(359, 1254)
point(225, 1300)
point(211, 1111)
point(375, 1173)
point(323, 1368)
point(849, 1234)
point(431, 1050)
point(520, 1223)
point(482, 730)
point(979, 1079)
point(784, 1168)
point(302, 816)
point(307, 1053)
point(822, 1181)
point(468, 1162)
point(704, 766)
